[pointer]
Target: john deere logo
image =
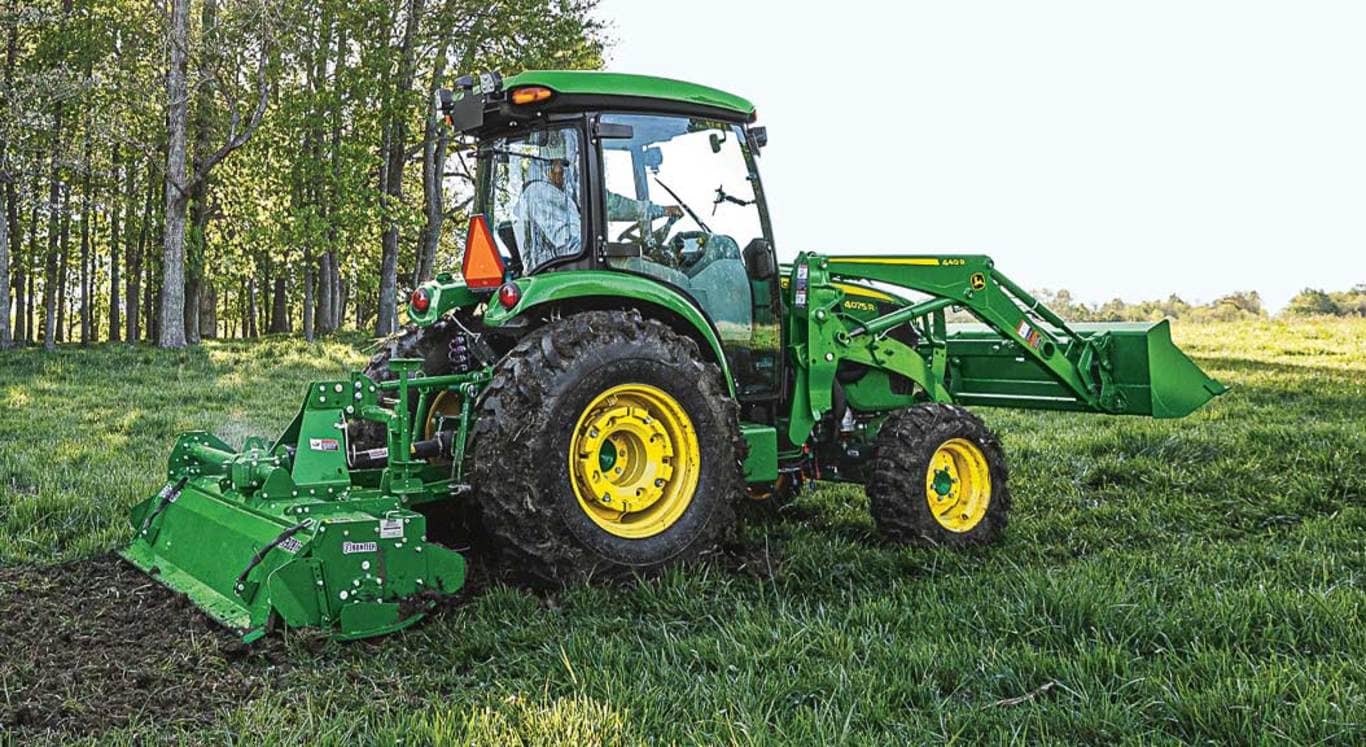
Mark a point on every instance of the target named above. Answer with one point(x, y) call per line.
point(978, 281)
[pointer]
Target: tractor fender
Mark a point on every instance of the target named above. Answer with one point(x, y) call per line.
point(598, 289)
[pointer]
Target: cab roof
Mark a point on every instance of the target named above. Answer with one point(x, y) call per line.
point(597, 83)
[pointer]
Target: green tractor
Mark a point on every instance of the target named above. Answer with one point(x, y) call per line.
point(621, 361)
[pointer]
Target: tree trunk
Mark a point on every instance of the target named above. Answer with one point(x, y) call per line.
point(86, 283)
point(251, 307)
point(54, 232)
point(207, 318)
point(136, 252)
point(397, 114)
point(5, 340)
point(116, 202)
point(335, 197)
point(323, 318)
point(21, 277)
point(63, 265)
point(279, 307)
point(30, 304)
point(336, 310)
point(341, 303)
point(433, 166)
point(308, 297)
point(172, 323)
point(150, 294)
point(10, 220)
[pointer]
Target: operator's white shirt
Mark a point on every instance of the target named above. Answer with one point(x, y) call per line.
point(555, 215)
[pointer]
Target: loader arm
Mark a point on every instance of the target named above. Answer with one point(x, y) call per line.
point(1025, 356)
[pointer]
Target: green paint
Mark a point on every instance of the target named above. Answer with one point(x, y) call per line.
point(607, 455)
point(447, 293)
point(288, 529)
point(630, 291)
point(761, 460)
point(1024, 356)
point(594, 83)
point(943, 484)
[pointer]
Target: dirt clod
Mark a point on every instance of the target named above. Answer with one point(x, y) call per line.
point(90, 645)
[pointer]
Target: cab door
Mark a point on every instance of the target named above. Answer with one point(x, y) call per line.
point(683, 204)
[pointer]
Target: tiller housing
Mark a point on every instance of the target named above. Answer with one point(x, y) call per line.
point(291, 529)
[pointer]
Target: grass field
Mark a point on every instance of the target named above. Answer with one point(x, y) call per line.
point(1190, 581)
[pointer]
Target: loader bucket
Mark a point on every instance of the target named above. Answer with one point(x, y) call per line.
point(1142, 371)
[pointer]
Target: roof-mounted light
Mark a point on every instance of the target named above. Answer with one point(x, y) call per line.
point(530, 95)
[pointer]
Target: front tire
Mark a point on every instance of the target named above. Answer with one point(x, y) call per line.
point(605, 446)
point(938, 477)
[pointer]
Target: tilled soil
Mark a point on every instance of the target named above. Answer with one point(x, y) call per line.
point(94, 644)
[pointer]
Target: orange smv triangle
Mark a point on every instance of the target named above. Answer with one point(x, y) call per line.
point(482, 265)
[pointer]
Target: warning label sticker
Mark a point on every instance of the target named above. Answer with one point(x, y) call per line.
point(391, 529)
point(351, 548)
point(1030, 335)
point(291, 545)
point(324, 444)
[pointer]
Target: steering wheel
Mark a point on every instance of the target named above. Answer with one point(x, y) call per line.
point(655, 237)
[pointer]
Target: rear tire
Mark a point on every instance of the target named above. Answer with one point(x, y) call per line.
point(938, 477)
point(544, 428)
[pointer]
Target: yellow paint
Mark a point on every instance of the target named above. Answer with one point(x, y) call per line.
point(958, 485)
point(446, 404)
point(920, 261)
point(858, 290)
point(634, 460)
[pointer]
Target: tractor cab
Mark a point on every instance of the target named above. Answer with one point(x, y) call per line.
point(657, 179)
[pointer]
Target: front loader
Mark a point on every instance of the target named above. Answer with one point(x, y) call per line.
point(620, 361)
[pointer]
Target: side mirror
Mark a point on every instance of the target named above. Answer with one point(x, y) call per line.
point(443, 105)
point(653, 158)
point(758, 137)
point(759, 262)
point(717, 140)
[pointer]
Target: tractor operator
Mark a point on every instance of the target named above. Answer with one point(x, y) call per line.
point(546, 216)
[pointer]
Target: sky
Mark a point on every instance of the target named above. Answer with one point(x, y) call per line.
point(1126, 150)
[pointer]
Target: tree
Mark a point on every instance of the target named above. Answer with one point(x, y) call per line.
point(1312, 302)
point(119, 199)
point(181, 186)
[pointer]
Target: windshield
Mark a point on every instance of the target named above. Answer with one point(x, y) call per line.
point(531, 191)
point(690, 170)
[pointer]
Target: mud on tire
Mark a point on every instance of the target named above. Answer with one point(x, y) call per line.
point(903, 454)
point(520, 464)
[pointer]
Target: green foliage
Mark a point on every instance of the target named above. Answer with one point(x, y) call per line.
point(1240, 306)
point(307, 183)
point(1312, 302)
point(1191, 581)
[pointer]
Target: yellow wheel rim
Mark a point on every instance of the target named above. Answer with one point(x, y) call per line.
point(446, 404)
point(634, 460)
point(958, 485)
